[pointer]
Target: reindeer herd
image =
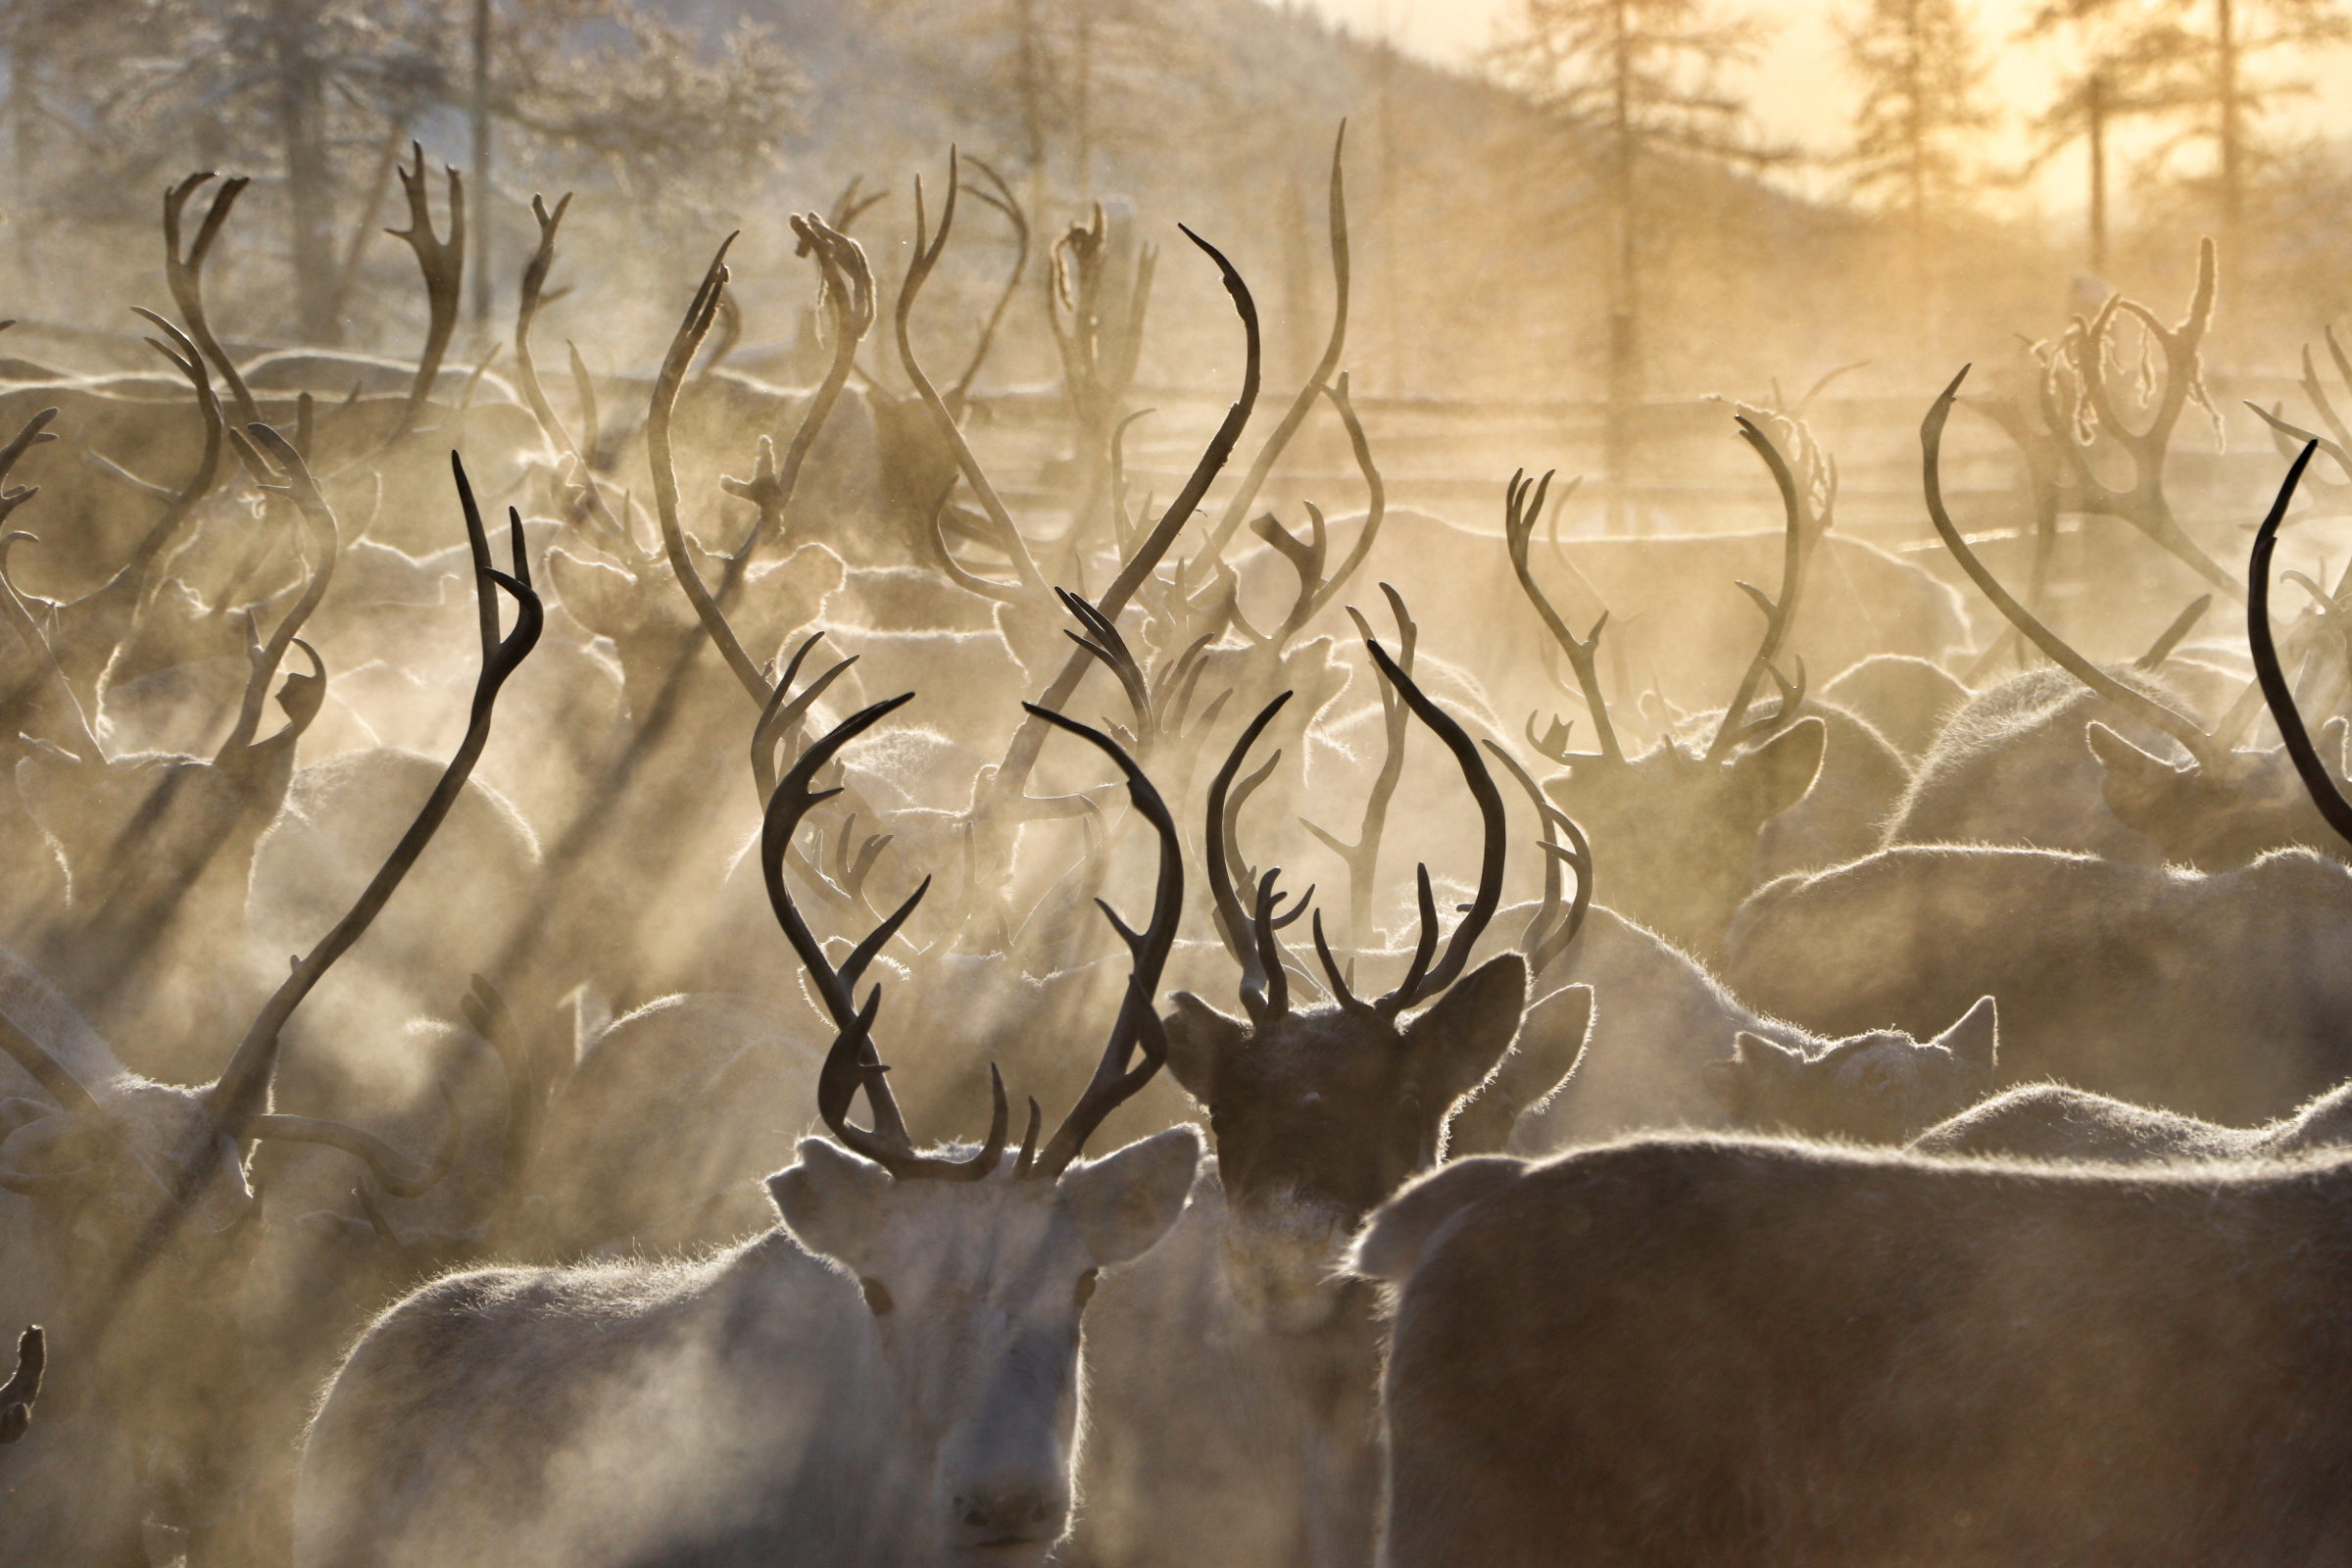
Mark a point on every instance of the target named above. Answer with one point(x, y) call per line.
point(1924, 1149)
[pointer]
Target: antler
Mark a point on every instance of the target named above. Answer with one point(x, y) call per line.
point(1735, 730)
point(1006, 535)
point(2083, 354)
point(1363, 857)
point(852, 1063)
point(236, 1100)
point(1115, 1081)
point(1420, 980)
point(2194, 740)
point(183, 274)
point(1248, 936)
point(23, 1384)
point(1245, 495)
point(303, 695)
point(999, 195)
point(2316, 781)
point(443, 263)
point(1522, 505)
point(1549, 933)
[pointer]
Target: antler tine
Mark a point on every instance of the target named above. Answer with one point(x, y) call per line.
point(1275, 1000)
point(183, 275)
point(853, 1061)
point(1107, 645)
point(790, 802)
point(2182, 624)
point(1339, 991)
point(1523, 503)
point(1491, 855)
point(2196, 741)
point(2316, 781)
point(242, 1088)
point(1543, 949)
point(388, 1166)
point(1232, 921)
point(1363, 857)
point(924, 257)
point(1777, 613)
point(784, 711)
point(443, 264)
point(327, 539)
point(1114, 1081)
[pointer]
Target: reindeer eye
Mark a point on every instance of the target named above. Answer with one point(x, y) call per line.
point(877, 1298)
point(1086, 1286)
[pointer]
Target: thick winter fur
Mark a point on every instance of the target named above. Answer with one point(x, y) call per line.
point(2225, 995)
point(2051, 1122)
point(1725, 1352)
point(893, 1378)
point(2011, 767)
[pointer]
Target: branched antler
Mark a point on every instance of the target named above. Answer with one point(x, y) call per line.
point(183, 274)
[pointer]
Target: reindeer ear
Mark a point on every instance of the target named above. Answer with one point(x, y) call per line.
point(1456, 1043)
point(1124, 1203)
point(1552, 1042)
point(2139, 788)
point(830, 1199)
point(1199, 1038)
point(1779, 773)
point(601, 598)
point(1975, 1040)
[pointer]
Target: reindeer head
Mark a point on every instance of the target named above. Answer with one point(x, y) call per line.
point(1320, 1112)
point(975, 1269)
point(1879, 1088)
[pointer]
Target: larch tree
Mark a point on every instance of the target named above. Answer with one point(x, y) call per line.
point(1635, 82)
point(2203, 67)
point(1917, 64)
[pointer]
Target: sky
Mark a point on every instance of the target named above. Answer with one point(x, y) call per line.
point(1800, 92)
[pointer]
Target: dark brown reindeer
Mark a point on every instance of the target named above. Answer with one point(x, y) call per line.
point(1621, 1353)
point(141, 1216)
point(1233, 1346)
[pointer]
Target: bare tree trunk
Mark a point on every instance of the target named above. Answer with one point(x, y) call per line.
point(484, 286)
point(1624, 307)
point(2098, 175)
point(2233, 173)
point(310, 176)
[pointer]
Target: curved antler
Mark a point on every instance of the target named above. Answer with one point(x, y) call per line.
point(2316, 781)
point(1233, 924)
point(2193, 738)
point(23, 1386)
point(1421, 981)
point(1115, 1081)
point(240, 1093)
point(853, 1063)
point(1523, 503)
point(1779, 614)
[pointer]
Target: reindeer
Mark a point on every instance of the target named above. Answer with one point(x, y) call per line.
point(134, 1216)
point(1237, 1405)
point(894, 1371)
point(2051, 1122)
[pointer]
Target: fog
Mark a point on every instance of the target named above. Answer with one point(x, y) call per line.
point(1644, 587)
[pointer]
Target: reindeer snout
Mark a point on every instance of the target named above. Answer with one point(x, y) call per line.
point(1010, 1509)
